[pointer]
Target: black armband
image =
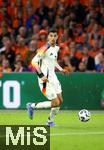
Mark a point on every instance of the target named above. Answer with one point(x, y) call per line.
point(40, 75)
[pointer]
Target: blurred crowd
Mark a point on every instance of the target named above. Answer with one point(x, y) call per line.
point(24, 28)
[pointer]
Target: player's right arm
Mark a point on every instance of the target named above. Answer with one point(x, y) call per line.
point(36, 59)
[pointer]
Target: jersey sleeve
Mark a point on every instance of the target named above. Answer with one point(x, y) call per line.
point(36, 59)
point(58, 66)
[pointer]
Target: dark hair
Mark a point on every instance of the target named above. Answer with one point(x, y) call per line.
point(52, 30)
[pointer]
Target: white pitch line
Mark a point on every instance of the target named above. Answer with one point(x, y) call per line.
point(76, 133)
point(68, 134)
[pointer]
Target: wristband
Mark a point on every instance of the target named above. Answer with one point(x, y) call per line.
point(40, 75)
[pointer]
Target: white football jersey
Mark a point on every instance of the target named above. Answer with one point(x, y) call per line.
point(48, 61)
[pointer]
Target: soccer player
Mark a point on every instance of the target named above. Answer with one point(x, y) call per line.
point(45, 62)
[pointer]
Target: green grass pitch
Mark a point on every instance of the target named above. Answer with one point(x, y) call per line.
point(69, 134)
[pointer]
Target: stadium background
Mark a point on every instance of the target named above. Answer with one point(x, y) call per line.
point(24, 25)
point(86, 91)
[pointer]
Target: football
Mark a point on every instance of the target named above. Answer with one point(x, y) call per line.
point(84, 115)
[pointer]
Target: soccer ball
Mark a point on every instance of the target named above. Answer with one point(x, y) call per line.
point(84, 115)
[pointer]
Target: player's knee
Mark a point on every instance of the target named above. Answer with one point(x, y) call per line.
point(60, 99)
point(57, 103)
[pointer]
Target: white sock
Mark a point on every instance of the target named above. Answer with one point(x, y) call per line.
point(46, 104)
point(53, 113)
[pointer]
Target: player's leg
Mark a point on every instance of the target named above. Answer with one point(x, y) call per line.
point(50, 93)
point(32, 106)
point(47, 104)
point(55, 110)
point(54, 102)
point(60, 97)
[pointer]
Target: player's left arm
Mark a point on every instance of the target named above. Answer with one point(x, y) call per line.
point(60, 68)
point(36, 59)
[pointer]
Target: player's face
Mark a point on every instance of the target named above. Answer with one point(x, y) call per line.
point(52, 38)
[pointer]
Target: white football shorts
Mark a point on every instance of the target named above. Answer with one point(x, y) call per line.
point(50, 89)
